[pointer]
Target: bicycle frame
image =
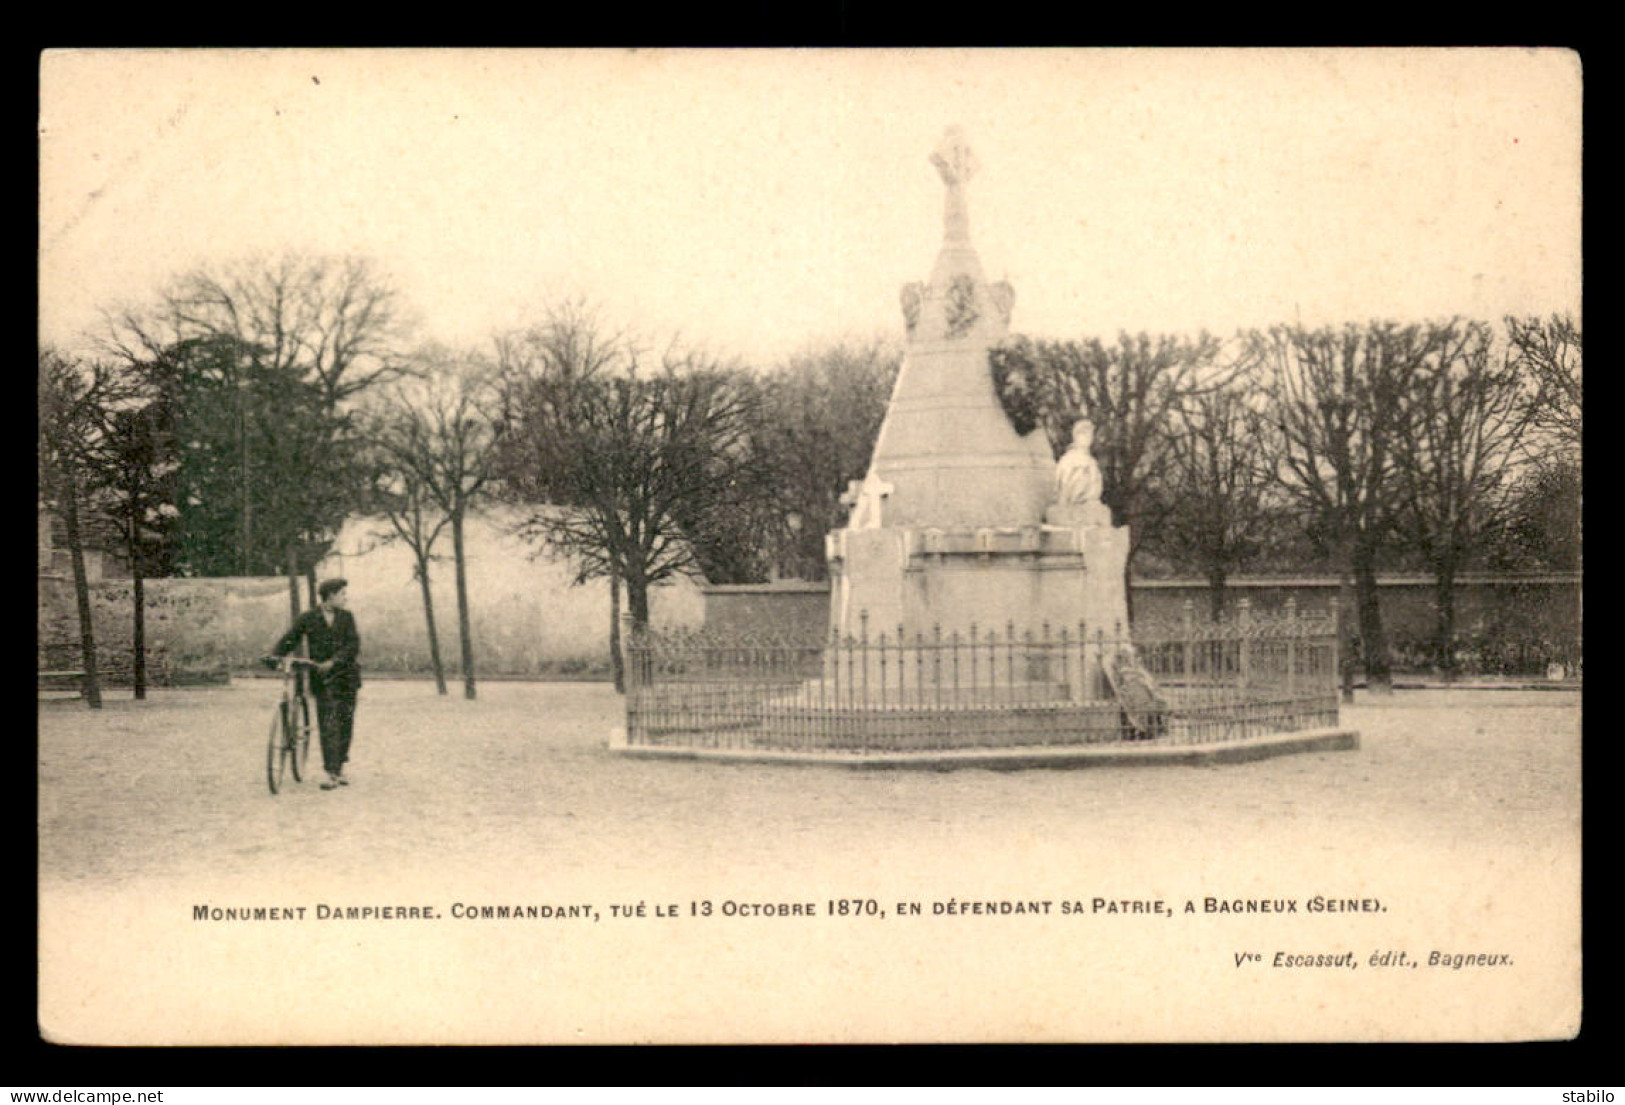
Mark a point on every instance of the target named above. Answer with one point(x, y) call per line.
point(291, 721)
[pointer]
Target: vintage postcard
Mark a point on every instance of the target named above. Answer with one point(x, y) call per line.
point(809, 546)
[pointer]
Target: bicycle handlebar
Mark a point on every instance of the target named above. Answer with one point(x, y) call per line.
point(293, 661)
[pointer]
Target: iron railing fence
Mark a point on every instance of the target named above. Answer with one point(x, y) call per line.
point(982, 688)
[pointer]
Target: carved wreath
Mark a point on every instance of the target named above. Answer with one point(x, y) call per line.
point(962, 313)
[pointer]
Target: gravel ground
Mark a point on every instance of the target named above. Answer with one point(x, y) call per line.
point(1457, 804)
point(175, 785)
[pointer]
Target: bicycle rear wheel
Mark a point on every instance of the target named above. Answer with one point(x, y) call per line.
point(276, 750)
point(299, 737)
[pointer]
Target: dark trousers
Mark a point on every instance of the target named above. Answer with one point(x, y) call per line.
point(335, 714)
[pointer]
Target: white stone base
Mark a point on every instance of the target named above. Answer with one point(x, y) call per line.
point(1026, 577)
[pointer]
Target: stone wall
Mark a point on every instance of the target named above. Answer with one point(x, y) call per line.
point(1486, 605)
point(1507, 624)
point(527, 618)
point(789, 608)
point(194, 627)
point(1516, 611)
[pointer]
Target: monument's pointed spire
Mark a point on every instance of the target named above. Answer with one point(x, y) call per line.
point(947, 454)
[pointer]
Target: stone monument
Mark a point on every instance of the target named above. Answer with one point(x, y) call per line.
point(961, 520)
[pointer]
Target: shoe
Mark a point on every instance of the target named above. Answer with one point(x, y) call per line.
point(332, 782)
point(341, 780)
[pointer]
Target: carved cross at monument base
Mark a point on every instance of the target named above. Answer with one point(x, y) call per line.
point(863, 498)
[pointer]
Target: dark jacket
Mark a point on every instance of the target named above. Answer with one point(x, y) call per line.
point(338, 642)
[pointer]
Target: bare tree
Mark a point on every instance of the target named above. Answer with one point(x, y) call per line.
point(1336, 406)
point(1219, 485)
point(1129, 391)
point(308, 334)
point(820, 412)
point(132, 468)
point(397, 433)
point(539, 368)
point(334, 321)
point(1461, 427)
point(619, 465)
point(73, 399)
point(1547, 352)
point(439, 435)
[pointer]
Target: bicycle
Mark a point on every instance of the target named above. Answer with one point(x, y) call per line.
point(289, 746)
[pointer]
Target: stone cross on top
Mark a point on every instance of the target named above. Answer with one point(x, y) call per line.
point(956, 164)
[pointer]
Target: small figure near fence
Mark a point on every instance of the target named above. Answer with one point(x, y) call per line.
point(335, 645)
point(1143, 706)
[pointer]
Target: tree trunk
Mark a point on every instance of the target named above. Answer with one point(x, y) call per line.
point(310, 585)
point(1216, 577)
point(616, 661)
point(81, 591)
point(463, 628)
point(1373, 645)
point(1128, 592)
point(637, 601)
point(1444, 591)
point(293, 580)
point(1345, 616)
point(245, 532)
point(138, 643)
point(434, 634)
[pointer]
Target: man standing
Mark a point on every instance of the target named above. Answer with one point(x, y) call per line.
point(336, 678)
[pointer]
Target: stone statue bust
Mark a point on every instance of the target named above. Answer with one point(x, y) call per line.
point(1078, 482)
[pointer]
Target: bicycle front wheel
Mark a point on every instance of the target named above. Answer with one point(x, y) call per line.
point(299, 737)
point(276, 750)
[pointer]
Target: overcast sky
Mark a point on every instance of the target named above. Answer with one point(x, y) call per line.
point(758, 201)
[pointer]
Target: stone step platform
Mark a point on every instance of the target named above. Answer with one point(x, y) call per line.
point(1161, 751)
